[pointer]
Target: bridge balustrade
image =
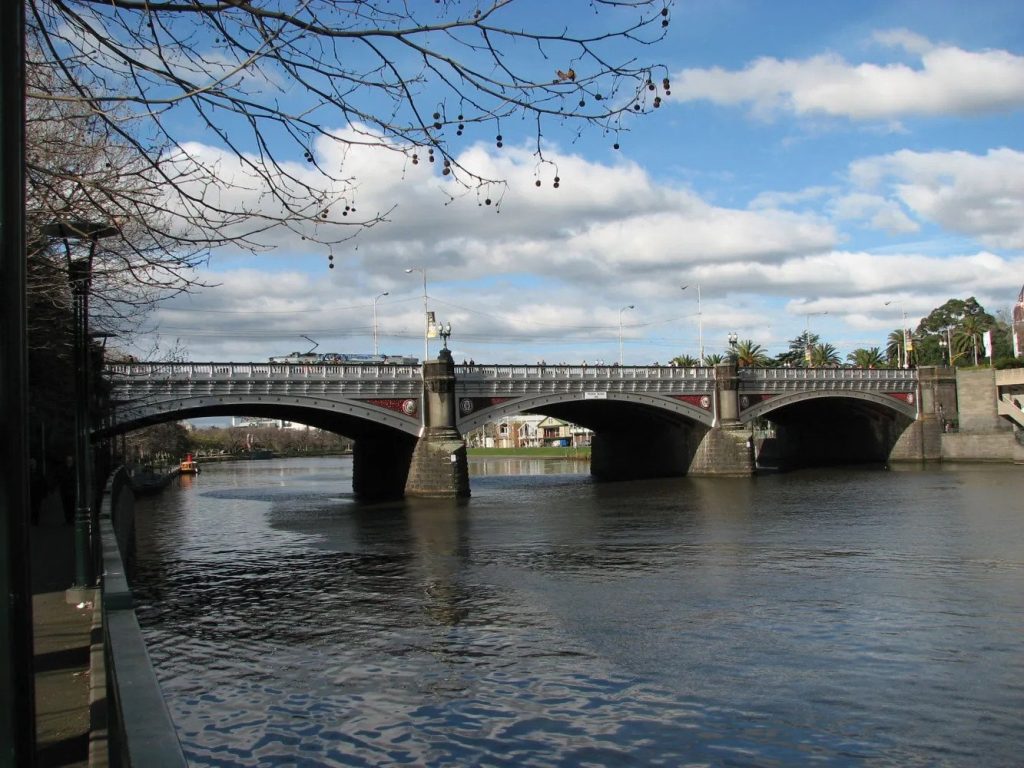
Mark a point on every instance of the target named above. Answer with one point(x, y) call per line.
point(862, 379)
point(613, 372)
point(288, 371)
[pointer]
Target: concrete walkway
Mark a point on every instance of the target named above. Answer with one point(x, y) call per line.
point(62, 626)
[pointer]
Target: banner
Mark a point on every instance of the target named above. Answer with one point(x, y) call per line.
point(431, 326)
point(988, 343)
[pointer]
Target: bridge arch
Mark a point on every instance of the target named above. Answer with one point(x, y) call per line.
point(881, 401)
point(832, 427)
point(351, 418)
point(549, 404)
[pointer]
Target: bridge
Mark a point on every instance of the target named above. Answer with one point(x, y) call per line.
point(647, 420)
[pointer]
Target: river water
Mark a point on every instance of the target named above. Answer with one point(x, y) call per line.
point(829, 617)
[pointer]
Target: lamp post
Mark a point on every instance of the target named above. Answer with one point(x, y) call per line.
point(905, 356)
point(733, 338)
point(700, 323)
point(80, 277)
point(445, 332)
point(375, 299)
point(426, 321)
point(630, 306)
point(809, 351)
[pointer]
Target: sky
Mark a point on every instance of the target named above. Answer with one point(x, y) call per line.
point(828, 167)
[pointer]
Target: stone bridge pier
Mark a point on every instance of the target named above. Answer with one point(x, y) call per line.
point(439, 467)
point(726, 448)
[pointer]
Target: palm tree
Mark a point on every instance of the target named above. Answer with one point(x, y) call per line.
point(824, 356)
point(894, 347)
point(866, 358)
point(968, 335)
point(749, 355)
point(713, 359)
point(685, 361)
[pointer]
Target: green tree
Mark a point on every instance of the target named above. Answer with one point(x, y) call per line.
point(961, 322)
point(967, 336)
point(685, 361)
point(747, 354)
point(867, 358)
point(894, 347)
point(797, 354)
point(824, 356)
point(713, 358)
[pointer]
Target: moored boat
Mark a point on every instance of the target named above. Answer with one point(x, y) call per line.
point(189, 466)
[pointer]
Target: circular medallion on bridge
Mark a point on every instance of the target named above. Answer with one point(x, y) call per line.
point(705, 402)
point(744, 402)
point(466, 405)
point(409, 407)
point(910, 398)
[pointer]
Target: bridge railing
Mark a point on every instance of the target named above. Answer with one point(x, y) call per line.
point(613, 372)
point(192, 371)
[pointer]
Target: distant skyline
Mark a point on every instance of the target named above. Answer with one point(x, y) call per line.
point(820, 167)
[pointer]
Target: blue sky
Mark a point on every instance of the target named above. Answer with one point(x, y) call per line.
point(828, 166)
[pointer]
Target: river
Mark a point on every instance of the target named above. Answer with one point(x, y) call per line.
point(835, 617)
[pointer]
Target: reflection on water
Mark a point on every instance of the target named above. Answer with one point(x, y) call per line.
point(520, 466)
point(837, 617)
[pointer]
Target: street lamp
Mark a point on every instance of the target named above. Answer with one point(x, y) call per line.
point(375, 299)
point(700, 323)
point(809, 350)
point(733, 338)
point(80, 277)
point(426, 319)
point(445, 333)
point(631, 306)
point(905, 356)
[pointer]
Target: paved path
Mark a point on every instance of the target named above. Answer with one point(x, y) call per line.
point(62, 632)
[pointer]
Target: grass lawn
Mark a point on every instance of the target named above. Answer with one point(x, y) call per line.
point(546, 452)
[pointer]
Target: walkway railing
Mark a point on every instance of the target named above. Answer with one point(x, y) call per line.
point(192, 371)
point(610, 372)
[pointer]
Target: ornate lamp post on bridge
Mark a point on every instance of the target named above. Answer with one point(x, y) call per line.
point(426, 318)
point(631, 306)
point(809, 351)
point(700, 323)
point(375, 300)
point(905, 355)
point(80, 277)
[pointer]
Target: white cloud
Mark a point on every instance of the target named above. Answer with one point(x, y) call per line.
point(945, 81)
point(977, 195)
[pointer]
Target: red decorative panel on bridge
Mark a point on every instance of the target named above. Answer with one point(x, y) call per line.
point(468, 405)
point(404, 405)
point(698, 401)
point(749, 401)
point(906, 397)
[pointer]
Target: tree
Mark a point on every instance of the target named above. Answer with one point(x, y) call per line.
point(960, 322)
point(747, 354)
point(866, 358)
point(712, 359)
point(274, 81)
point(824, 356)
point(894, 347)
point(967, 337)
point(685, 361)
point(797, 354)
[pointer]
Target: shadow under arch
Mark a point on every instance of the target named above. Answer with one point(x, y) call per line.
point(814, 429)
